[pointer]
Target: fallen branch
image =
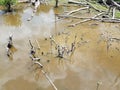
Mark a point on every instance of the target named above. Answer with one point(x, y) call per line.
point(37, 44)
point(74, 17)
point(104, 2)
point(38, 63)
point(101, 19)
point(30, 44)
point(110, 20)
point(72, 25)
point(47, 77)
point(76, 2)
point(115, 3)
point(86, 3)
point(71, 12)
point(34, 58)
point(94, 7)
point(113, 13)
point(117, 39)
point(23, 1)
point(44, 73)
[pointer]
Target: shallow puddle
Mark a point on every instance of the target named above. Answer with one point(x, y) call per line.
point(92, 66)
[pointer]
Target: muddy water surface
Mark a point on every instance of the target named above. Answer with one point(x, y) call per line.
point(91, 64)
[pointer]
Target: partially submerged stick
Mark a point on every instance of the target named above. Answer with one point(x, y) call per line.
point(50, 81)
point(30, 44)
point(98, 84)
point(44, 73)
point(53, 40)
point(36, 62)
point(71, 12)
point(37, 44)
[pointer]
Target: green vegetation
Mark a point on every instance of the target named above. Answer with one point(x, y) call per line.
point(117, 14)
point(8, 4)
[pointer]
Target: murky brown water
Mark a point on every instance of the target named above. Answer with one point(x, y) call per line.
point(91, 63)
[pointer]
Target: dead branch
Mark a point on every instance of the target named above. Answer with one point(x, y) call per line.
point(85, 4)
point(72, 25)
point(30, 44)
point(74, 17)
point(76, 2)
point(44, 73)
point(110, 20)
point(94, 7)
point(115, 3)
point(47, 77)
point(117, 39)
point(34, 58)
point(86, 19)
point(113, 13)
point(38, 63)
point(38, 44)
point(71, 12)
point(104, 2)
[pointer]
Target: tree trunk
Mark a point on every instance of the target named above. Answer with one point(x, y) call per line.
point(9, 9)
point(56, 4)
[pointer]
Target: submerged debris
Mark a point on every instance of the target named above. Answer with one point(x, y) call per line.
point(9, 46)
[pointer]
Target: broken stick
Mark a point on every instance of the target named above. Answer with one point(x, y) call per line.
point(47, 77)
